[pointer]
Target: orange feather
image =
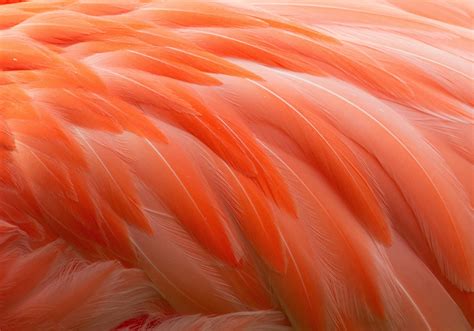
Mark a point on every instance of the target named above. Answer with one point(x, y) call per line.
point(241, 165)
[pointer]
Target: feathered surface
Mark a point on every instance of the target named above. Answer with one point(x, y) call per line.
point(236, 165)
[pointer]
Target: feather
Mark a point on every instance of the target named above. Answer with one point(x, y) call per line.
point(326, 150)
point(452, 317)
point(409, 155)
point(196, 13)
point(335, 234)
point(265, 164)
point(53, 288)
point(183, 189)
point(259, 320)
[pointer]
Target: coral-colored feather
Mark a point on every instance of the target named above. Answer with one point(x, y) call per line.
point(237, 165)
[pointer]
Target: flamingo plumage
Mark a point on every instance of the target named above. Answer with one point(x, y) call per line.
point(236, 165)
